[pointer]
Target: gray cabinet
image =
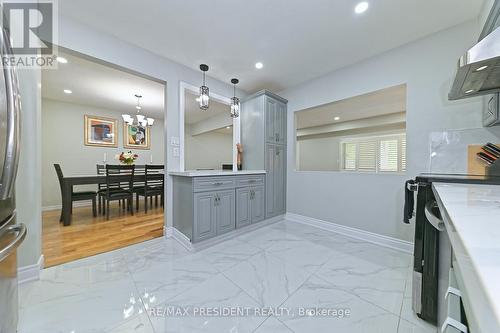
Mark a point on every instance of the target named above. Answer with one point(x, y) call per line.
point(205, 207)
point(204, 216)
point(263, 135)
point(225, 211)
point(243, 217)
point(275, 180)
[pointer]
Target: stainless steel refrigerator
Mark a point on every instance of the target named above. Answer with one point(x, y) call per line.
point(11, 233)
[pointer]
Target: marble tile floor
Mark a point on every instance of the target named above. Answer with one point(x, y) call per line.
point(285, 277)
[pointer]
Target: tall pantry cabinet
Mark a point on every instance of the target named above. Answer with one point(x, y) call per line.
point(263, 136)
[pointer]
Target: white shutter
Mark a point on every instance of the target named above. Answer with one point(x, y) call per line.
point(388, 155)
point(403, 153)
point(349, 159)
point(367, 156)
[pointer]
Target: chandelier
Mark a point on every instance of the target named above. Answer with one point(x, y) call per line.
point(139, 119)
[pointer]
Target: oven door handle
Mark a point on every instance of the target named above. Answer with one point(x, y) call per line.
point(433, 219)
point(20, 229)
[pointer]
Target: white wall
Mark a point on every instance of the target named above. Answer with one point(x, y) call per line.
point(84, 39)
point(63, 143)
point(208, 150)
point(319, 154)
point(369, 201)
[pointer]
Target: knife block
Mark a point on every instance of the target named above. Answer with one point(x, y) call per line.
point(493, 169)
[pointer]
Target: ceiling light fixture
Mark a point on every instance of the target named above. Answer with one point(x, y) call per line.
point(336, 118)
point(361, 7)
point(62, 60)
point(228, 127)
point(67, 91)
point(235, 101)
point(204, 91)
point(142, 121)
point(481, 68)
point(469, 91)
point(259, 65)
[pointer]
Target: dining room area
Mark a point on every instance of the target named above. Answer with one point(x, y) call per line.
point(103, 165)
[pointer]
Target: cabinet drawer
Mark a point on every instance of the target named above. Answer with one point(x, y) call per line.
point(214, 183)
point(244, 181)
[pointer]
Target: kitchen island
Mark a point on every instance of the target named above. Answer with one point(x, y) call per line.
point(210, 203)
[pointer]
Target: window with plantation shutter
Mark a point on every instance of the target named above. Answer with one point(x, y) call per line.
point(381, 154)
point(388, 155)
point(349, 152)
point(367, 156)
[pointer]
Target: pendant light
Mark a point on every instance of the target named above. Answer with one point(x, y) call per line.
point(139, 120)
point(235, 101)
point(204, 91)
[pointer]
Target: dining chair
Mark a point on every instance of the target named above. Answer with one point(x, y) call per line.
point(119, 186)
point(101, 170)
point(75, 195)
point(154, 187)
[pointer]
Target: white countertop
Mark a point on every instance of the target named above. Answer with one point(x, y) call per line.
point(215, 173)
point(472, 218)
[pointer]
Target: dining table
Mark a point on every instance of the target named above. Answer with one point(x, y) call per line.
point(72, 180)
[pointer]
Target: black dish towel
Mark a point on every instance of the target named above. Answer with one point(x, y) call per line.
point(409, 202)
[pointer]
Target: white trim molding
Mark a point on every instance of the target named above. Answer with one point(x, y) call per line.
point(31, 272)
point(390, 242)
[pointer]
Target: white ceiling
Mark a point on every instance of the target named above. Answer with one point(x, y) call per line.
point(193, 114)
point(381, 102)
point(101, 86)
point(296, 40)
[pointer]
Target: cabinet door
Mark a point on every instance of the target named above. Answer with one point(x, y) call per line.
point(280, 123)
point(204, 216)
point(225, 211)
point(279, 180)
point(257, 204)
point(271, 135)
point(243, 217)
point(270, 160)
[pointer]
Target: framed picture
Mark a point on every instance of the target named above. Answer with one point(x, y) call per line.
point(136, 137)
point(101, 132)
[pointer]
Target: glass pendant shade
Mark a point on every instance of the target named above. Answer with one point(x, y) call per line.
point(140, 118)
point(204, 97)
point(150, 121)
point(235, 107)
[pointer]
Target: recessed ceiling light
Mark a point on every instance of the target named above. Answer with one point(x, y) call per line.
point(336, 118)
point(361, 7)
point(469, 91)
point(481, 68)
point(228, 127)
point(62, 60)
point(67, 91)
point(259, 65)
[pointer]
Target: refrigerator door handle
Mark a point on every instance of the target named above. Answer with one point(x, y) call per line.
point(433, 219)
point(13, 103)
point(21, 230)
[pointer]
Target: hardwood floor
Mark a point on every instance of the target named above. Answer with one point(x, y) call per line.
point(88, 236)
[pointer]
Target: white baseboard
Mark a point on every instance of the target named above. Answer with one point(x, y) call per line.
point(390, 242)
point(168, 231)
point(83, 203)
point(31, 272)
point(186, 242)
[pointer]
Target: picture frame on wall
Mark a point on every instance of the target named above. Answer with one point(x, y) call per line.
point(136, 137)
point(100, 131)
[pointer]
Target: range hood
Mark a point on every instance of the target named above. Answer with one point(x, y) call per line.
point(479, 69)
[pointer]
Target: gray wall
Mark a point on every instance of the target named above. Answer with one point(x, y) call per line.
point(63, 143)
point(374, 202)
point(208, 150)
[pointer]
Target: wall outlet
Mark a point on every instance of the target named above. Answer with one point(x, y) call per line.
point(176, 152)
